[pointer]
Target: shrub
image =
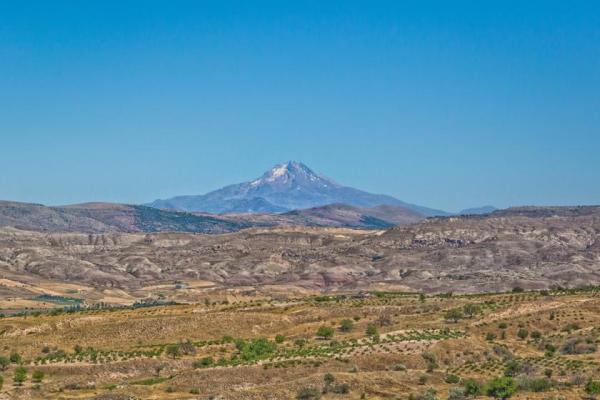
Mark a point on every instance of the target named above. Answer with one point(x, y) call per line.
point(227, 339)
point(279, 339)
point(187, 347)
point(501, 388)
point(571, 327)
point(343, 388)
point(328, 379)
point(371, 330)
point(592, 387)
point(430, 361)
point(422, 379)
point(37, 376)
point(536, 335)
point(20, 376)
point(502, 325)
point(4, 362)
point(255, 349)
point(550, 349)
point(15, 358)
point(471, 309)
point(453, 314)
point(456, 394)
point(472, 387)
point(203, 362)
point(399, 367)
point(325, 332)
point(173, 350)
point(346, 325)
point(309, 393)
point(429, 394)
point(490, 336)
point(522, 333)
point(534, 385)
point(452, 379)
point(513, 368)
point(578, 345)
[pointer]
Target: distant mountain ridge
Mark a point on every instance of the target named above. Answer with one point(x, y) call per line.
point(285, 187)
point(110, 217)
point(478, 210)
point(333, 215)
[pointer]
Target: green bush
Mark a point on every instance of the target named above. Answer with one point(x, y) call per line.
point(19, 376)
point(430, 361)
point(15, 358)
point(279, 339)
point(453, 314)
point(513, 368)
point(471, 309)
point(399, 367)
point(472, 387)
point(371, 330)
point(203, 362)
point(592, 387)
point(37, 376)
point(4, 362)
point(255, 349)
point(346, 325)
point(429, 394)
point(325, 332)
point(522, 333)
point(501, 388)
point(173, 350)
point(452, 379)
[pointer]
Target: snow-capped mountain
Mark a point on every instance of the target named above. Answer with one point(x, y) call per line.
point(288, 186)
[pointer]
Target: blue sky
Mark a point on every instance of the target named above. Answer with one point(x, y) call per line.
point(444, 104)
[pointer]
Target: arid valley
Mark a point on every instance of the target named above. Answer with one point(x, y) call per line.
point(306, 312)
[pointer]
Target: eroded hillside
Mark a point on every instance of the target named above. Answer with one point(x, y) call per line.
point(459, 254)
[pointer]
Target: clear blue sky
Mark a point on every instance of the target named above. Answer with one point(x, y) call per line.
point(444, 104)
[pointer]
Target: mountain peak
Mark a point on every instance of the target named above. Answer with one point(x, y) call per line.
point(291, 172)
point(287, 186)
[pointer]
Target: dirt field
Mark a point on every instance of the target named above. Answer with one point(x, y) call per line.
point(354, 345)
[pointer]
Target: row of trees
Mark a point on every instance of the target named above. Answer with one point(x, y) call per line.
point(327, 332)
point(468, 310)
